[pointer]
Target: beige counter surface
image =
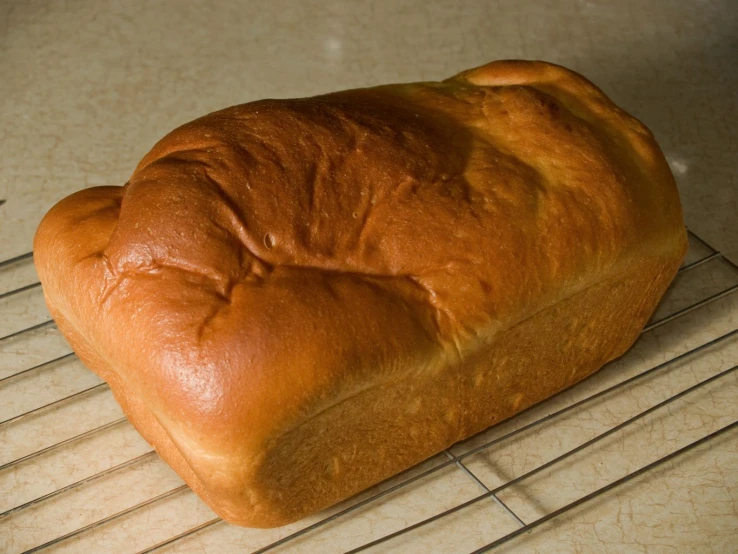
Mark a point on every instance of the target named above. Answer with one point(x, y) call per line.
point(87, 87)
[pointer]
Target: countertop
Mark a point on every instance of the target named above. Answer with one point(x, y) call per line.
point(87, 87)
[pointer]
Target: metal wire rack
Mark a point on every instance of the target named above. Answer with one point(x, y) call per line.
point(75, 476)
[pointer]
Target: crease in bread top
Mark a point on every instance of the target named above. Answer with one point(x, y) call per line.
point(307, 250)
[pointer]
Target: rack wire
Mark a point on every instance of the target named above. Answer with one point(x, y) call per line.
point(46, 426)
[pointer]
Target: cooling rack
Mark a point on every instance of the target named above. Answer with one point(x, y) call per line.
point(75, 476)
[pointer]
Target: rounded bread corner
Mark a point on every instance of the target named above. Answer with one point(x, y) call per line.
point(517, 72)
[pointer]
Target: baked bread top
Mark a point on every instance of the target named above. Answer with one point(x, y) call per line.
point(273, 259)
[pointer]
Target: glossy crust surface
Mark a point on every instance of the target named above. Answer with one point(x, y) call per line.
point(293, 300)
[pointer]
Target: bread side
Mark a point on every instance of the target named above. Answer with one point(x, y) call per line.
point(293, 300)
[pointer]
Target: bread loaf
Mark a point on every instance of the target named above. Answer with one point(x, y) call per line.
point(293, 300)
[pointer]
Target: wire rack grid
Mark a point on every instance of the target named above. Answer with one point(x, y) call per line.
point(75, 476)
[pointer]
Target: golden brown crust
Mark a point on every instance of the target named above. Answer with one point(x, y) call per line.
point(288, 294)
